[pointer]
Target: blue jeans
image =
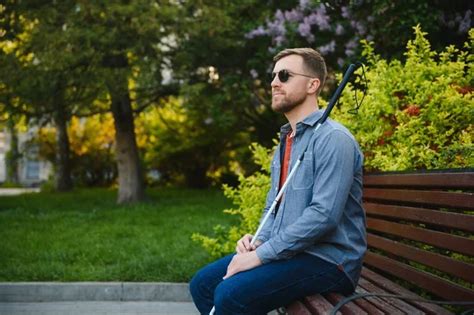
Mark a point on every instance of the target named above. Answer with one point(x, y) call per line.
point(267, 287)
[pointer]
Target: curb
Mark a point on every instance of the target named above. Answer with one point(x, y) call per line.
point(93, 291)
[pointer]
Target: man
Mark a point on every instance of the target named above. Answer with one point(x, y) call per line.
point(315, 241)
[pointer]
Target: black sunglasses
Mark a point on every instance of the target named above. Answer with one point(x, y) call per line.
point(284, 75)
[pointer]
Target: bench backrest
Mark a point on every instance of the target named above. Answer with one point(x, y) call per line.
point(420, 229)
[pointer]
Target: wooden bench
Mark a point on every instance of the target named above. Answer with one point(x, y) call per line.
point(419, 230)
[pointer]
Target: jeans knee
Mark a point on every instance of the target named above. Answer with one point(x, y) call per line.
point(198, 285)
point(194, 286)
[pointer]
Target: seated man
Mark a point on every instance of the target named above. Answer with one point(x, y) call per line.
point(315, 241)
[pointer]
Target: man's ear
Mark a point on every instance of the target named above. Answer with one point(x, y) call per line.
point(313, 85)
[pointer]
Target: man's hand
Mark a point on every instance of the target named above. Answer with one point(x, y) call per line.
point(242, 262)
point(244, 246)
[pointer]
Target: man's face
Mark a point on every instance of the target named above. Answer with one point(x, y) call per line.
point(292, 93)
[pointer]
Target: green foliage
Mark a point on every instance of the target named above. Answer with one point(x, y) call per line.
point(248, 199)
point(8, 184)
point(417, 114)
point(92, 151)
point(188, 146)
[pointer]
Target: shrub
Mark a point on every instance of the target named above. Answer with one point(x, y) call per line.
point(249, 200)
point(416, 114)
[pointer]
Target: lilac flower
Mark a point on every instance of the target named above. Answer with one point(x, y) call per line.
point(352, 43)
point(272, 50)
point(279, 16)
point(370, 18)
point(339, 29)
point(254, 73)
point(319, 18)
point(304, 29)
point(370, 38)
point(279, 40)
point(360, 28)
point(349, 52)
point(345, 12)
point(276, 28)
point(357, 25)
point(310, 38)
point(259, 31)
point(304, 4)
point(328, 48)
point(465, 23)
point(293, 15)
point(340, 62)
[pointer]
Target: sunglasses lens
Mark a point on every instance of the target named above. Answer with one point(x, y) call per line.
point(283, 76)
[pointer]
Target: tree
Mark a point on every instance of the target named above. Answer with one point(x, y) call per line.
point(44, 86)
point(107, 47)
point(9, 120)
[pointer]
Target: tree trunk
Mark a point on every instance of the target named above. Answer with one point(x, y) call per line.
point(63, 162)
point(13, 155)
point(131, 184)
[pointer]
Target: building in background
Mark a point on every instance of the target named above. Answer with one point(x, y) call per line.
point(31, 170)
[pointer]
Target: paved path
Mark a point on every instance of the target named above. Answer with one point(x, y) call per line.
point(98, 307)
point(84, 298)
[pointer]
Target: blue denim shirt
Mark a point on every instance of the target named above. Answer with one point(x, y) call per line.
point(321, 210)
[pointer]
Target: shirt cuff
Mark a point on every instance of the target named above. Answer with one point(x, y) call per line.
point(266, 253)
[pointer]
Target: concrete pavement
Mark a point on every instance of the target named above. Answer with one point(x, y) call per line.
point(94, 291)
point(94, 298)
point(99, 307)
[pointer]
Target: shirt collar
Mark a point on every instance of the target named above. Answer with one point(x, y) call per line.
point(309, 120)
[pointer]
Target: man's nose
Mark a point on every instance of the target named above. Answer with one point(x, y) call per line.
point(275, 82)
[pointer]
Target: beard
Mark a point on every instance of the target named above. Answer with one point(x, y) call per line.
point(287, 104)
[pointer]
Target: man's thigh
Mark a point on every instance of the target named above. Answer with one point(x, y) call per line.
point(280, 282)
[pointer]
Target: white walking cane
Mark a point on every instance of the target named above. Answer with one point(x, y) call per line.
point(332, 102)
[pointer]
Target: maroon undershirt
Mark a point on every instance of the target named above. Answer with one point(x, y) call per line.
point(286, 159)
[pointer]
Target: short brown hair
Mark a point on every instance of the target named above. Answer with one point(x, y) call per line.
point(312, 60)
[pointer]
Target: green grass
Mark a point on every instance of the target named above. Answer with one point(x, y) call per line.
point(85, 236)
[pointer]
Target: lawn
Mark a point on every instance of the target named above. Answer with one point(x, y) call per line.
point(85, 236)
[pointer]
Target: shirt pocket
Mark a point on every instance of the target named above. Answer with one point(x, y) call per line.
point(304, 176)
point(275, 175)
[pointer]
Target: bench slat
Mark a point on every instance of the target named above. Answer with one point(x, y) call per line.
point(449, 219)
point(347, 309)
point(444, 240)
point(318, 305)
point(426, 180)
point(394, 288)
point(395, 306)
point(456, 268)
point(298, 308)
point(374, 305)
point(456, 200)
point(429, 282)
